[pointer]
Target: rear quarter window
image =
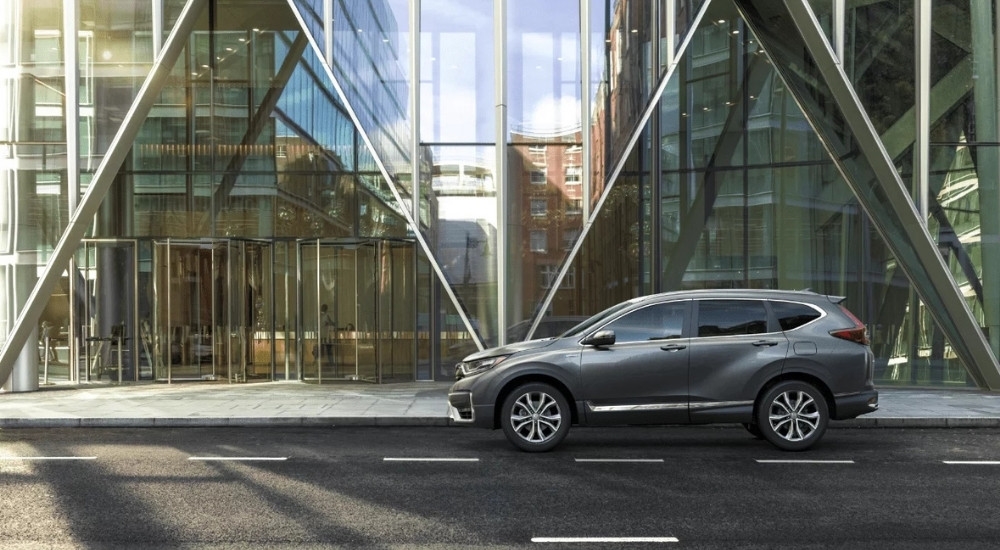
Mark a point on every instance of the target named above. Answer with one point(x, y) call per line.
point(792, 316)
point(731, 317)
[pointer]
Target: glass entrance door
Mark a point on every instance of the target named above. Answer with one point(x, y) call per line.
point(357, 310)
point(105, 313)
point(213, 310)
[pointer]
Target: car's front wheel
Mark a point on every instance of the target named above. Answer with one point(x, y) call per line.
point(793, 415)
point(535, 417)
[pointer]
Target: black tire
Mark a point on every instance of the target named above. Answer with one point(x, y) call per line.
point(535, 417)
point(753, 429)
point(793, 415)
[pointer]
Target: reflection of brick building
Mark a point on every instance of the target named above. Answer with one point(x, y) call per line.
point(546, 177)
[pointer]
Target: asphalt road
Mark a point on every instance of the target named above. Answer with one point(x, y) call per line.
point(681, 487)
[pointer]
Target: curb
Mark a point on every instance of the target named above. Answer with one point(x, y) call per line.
point(230, 422)
point(925, 422)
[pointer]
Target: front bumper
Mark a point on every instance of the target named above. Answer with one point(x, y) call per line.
point(855, 404)
point(460, 407)
point(462, 410)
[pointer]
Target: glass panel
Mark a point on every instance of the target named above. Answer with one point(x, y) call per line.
point(630, 58)
point(546, 219)
point(543, 63)
point(285, 275)
point(116, 43)
point(107, 317)
point(309, 343)
point(463, 237)
point(456, 71)
point(881, 51)
point(365, 279)
point(259, 274)
point(545, 181)
point(607, 269)
point(396, 314)
point(191, 311)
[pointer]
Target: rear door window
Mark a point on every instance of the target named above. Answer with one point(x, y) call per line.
point(731, 317)
point(792, 316)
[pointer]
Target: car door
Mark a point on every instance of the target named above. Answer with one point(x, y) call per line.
point(642, 377)
point(735, 348)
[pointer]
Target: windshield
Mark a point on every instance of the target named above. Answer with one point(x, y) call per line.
point(596, 320)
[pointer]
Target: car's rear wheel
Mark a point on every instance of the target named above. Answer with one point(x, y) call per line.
point(793, 415)
point(535, 417)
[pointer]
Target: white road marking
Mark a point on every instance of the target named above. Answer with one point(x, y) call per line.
point(48, 458)
point(428, 459)
point(762, 461)
point(639, 460)
point(604, 540)
point(974, 462)
point(238, 458)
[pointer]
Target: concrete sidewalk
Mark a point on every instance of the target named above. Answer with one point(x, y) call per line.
point(362, 404)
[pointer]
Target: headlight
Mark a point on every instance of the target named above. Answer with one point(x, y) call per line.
point(468, 368)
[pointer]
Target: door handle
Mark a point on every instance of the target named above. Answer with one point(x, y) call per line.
point(767, 343)
point(672, 347)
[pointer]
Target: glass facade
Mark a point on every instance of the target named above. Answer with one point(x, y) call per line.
point(326, 190)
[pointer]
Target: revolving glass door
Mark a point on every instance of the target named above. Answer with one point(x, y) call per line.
point(357, 310)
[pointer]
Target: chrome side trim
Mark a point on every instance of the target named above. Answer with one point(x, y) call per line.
point(649, 407)
point(719, 404)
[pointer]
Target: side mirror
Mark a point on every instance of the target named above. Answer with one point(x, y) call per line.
point(600, 338)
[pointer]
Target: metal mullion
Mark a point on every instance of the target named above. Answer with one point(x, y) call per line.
point(921, 161)
point(500, 158)
point(71, 61)
point(585, 105)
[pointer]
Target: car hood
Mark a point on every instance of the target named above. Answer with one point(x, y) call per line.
point(510, 348)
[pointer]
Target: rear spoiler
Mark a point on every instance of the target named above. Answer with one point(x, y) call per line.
point(833, 299)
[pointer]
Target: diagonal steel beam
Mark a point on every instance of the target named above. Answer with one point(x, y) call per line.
point(793, 39)
point(257, 123)
point(106, 172)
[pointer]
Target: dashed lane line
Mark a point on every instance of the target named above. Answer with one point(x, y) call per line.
point(625, 460)
point(789, 461)
point(603, 540)
point(972, 462)
point(239, 458)
point(48, 458)
point(427, 459)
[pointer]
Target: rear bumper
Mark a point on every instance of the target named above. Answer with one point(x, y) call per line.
point(854, 405)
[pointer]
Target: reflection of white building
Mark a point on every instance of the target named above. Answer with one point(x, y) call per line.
point(467, 221)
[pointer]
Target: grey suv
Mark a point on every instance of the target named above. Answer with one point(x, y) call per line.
point(782, 363)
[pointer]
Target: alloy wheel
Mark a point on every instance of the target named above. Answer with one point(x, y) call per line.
point(536, 417)
point(794, 415)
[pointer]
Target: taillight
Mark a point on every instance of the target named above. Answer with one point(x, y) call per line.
point(858, 333)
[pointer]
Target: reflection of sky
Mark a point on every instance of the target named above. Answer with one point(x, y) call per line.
point(456, 57)
point(543, 45)
point(457, 66)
